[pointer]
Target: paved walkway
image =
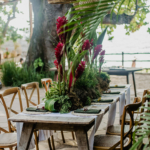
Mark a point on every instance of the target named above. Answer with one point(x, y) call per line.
point(58, 141)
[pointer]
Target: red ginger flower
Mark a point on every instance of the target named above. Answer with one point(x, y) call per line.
point(60, 22)
point(97, 50)
point(80, 70)
point(86, 45)
point(58, 52)
point(58, 65)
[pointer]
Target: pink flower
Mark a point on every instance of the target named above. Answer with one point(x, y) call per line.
point(102, 53)
point(101, 60)
point(97, 50)
point(58, 52)
point(61, 21)
point(79, 70)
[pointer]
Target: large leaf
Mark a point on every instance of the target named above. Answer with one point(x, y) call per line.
point(101, 37)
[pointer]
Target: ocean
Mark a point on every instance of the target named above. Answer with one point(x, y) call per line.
point(138, 41)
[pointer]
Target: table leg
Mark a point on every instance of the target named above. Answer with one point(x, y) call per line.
point(82, 139)
point(26, 135)
point(133, 76)
point(127, 78)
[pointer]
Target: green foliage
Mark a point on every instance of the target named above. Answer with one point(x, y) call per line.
point(38, 63)
point(63, 100)
point(88, 101)
point(143, 131)
point(15, 76)
point(87, 80)
point(8, 13)
point(128, 7)
point(65, 103)
point(104, 76)
point(148, 30)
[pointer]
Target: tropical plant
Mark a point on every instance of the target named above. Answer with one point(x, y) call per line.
point(15, 76)
point(142, 132)
point(38, 63)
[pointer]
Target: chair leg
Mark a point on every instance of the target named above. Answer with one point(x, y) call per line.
point(53, 144)
point(73, 137)
point(49, 144)
point(16, 148)
point(10, 148)
point(62, 135)
point(36, 140)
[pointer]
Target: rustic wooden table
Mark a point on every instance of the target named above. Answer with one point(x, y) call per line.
point(79, 125)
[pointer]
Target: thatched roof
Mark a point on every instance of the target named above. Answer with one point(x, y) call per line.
point(5, 2)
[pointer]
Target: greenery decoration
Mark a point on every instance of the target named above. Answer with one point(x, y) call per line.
point(15, 76)
point(142, 132)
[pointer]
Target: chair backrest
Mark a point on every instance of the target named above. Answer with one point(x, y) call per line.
point(33, 86)
point(144, 94)
point(8, 109)
point(127, 109)
point(46, 82)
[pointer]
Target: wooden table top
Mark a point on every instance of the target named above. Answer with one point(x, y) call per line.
point(121, 70)
point(52, 120)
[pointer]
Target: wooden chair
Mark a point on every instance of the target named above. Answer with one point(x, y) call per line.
point(116, 129)
point(9, 138)
point(114, 142)
point(46, 82)
point(35, 86)
point(136, 113)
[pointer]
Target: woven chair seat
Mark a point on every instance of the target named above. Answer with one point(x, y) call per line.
point(102, 142)
point(116, 129)
point(8, 139)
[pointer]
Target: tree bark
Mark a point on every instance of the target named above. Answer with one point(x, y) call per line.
point(44, 38)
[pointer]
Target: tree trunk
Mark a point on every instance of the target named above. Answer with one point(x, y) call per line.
point(44, 38)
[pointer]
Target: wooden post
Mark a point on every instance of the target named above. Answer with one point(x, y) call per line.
point(30, 17)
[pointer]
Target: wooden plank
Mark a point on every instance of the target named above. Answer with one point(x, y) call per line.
point(82, 139)
point(53, 120)
point(26, 135)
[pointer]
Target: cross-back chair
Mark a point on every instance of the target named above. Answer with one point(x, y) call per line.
point(136, 113)
point(116, 129)
point(9, 138)
point(46, 82)
point(114, 142)
point(33, 86)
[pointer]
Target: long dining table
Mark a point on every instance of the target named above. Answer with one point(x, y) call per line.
point(78, 123)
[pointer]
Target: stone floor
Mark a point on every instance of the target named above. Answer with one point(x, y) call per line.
point(143, 82)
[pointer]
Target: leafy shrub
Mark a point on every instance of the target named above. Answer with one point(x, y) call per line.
point(87, 80)
point(15, 76)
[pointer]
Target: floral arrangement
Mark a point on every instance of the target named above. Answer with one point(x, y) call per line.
point(77, 86)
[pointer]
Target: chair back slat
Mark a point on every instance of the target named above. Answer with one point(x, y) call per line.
point(34, 86)
point(46, 82)
point(8, 109)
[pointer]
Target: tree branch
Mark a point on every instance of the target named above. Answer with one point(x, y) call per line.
point(9, 19)
point(120, 19)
